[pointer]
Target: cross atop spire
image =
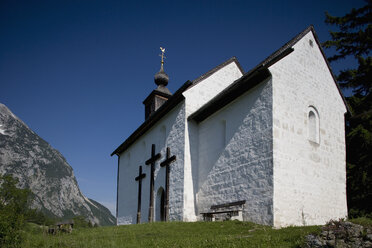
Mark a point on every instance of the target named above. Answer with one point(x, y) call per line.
point(161, 94)
point(161, 78)
point(162, 57)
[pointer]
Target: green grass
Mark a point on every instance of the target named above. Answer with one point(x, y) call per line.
point(173, 234)
point(366, 222)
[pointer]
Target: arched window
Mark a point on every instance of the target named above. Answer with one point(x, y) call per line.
point(313, 125)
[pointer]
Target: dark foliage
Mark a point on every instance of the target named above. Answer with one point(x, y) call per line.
point(15, 212)
point(38, 217)
point(13, 208)
point(81, 222)
point(353, 39)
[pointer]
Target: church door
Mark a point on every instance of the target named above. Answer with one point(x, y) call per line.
point(160, 205)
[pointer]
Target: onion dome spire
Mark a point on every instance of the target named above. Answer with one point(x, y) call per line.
point(161, 78)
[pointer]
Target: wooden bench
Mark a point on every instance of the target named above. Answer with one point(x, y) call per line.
point(225, 211)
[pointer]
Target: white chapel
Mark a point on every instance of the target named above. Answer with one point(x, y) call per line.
point(266, 146)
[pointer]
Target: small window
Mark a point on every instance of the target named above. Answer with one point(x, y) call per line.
point(311, 43)
point(313, 125)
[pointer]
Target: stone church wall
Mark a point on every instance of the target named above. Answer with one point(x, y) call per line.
point(198, 95)
point(177, 132)
point(309, 177)
point(280, 146)
point(167, 132)
point(235, 156)
point(205, 90)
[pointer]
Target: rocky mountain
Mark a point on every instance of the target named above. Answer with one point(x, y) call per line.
point(44, 170)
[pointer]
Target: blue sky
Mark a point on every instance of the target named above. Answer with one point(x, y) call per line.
point(77, 71)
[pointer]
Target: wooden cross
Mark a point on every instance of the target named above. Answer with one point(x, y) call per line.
point(168, 160)
point(139, 179)
point(151, 161)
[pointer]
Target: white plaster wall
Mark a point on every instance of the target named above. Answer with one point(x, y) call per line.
point(174, 126)
point(309, 178)
point(190, 171)
point(167, 132)
point(205, 90)
point(237, 164)
point(196, 97)
point(127, 209)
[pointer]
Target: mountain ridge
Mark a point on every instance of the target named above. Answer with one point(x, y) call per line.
point(44, 170)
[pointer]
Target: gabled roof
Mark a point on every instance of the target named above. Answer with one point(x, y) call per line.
point(157, 115)
point(240, 86)
point(176, 98)
point(251, 79)
point(217, 68)
point(329, 66)
point(236, 89)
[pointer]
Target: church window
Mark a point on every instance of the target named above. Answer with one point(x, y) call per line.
point(313, 125)
point(311, 43)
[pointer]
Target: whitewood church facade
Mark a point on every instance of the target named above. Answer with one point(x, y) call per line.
point(266, 146)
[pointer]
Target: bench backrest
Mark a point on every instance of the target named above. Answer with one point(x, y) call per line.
point(230, 204)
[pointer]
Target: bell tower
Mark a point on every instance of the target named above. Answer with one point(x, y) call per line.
point(161, 94)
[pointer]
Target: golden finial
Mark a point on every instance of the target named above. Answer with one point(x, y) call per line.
point(161, 78)
point(162, 57)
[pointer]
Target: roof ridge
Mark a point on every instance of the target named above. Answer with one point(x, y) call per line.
point(176, 98)
point(330, 69)
point(290, 43)
point(217, 102)
point(217, 68)
point(285, 50)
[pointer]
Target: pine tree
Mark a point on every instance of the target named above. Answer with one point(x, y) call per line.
point(353, 39)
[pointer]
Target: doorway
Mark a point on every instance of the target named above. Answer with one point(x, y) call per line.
point(160, 205)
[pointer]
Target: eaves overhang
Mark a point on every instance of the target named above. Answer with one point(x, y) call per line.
point(238, 88)
point(253, 77)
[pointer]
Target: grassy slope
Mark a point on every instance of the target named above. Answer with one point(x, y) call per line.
point(174, 234)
